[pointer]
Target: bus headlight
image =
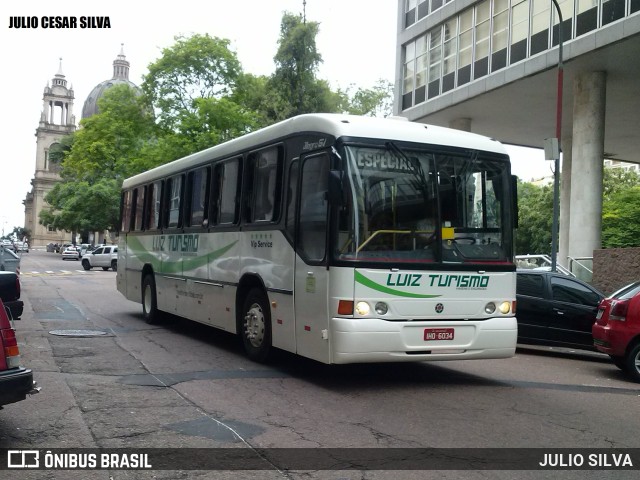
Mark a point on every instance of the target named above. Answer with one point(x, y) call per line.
point(363, 308)
point(505, 307)
point(489, 308)
point(381, 308)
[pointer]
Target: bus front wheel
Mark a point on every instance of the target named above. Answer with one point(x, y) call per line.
point(150, 300)
point(255, 325)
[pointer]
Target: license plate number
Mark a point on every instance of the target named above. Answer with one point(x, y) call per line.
point(438, 334)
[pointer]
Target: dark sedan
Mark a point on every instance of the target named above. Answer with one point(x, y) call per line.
point(555, 309)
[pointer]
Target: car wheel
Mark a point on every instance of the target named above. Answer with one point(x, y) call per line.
point(114, 265)
point(105, 268)
point(255, 325)
point(633, 362)
point(619, 362)
point(150, 300)
point(86, 265)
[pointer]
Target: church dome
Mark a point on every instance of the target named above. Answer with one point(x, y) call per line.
point(120, 76)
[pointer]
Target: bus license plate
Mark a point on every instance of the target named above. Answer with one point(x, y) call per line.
point(438, 334)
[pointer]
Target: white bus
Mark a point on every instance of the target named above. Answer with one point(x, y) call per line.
point(339, 238)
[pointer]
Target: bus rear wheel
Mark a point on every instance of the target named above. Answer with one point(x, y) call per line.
point(255, 325)
point(150, 300)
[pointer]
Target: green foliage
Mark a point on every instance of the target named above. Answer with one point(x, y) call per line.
point(373, 102)
point(195, 67)
point(535, 215)
point(616, 180)
point(80, 206)
point(621, 218)
point(109, 144)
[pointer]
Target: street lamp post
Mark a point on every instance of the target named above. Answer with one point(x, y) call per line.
point(556, 172)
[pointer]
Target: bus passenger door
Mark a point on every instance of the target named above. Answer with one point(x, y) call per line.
point(311, 274)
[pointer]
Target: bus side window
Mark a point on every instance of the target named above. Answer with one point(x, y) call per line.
point(139, 209)
point(126, 211)
point(264, 191)
point(173, 202)
point(314, 189)
point(152, 217)
point(292, 194)
point(198, 197)
point(227, 176)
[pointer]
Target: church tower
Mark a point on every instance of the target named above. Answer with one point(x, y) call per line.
point(56, 121)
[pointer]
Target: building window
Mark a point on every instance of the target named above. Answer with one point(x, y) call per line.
point(407, 97)
point(435, 62)
point(482, 32)
point(409, 12)
point(423, 8)
point(587, 16)
point(612, 10)
point(519, 30)
point(500, 34)
point(450, 48)
point(566, 7)
point(421, 70)
point(540, 19)
point(465, 47)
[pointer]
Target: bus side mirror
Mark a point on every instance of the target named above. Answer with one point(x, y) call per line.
point(336, 192)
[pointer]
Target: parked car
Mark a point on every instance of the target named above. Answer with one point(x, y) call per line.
point(105, 257)
point(555, 309)
point(617, 329)
point(10, 294)
point(16, 381)
point(21, 247)
point(9, 260)
point(71, 253)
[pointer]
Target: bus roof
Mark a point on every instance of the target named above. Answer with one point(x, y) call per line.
point(336, 125)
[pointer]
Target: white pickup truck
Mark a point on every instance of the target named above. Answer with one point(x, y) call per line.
point(105, 257)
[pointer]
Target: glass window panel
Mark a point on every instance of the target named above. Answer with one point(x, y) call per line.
point(465, 48)
point(519, 22)
point(228, 181)
point(584, 5)
point(139, 209)
point(408, 77)
point(421, 70)
point(482, 11)
point(421, 45)
point(500, 5)
point(450, 29)
point(541, 16)
point(466, 20)
point(410, 51)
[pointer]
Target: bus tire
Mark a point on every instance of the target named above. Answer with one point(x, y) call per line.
point(150, 300)
point(255, 325)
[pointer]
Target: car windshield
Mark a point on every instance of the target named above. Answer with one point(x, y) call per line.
point(416, 205)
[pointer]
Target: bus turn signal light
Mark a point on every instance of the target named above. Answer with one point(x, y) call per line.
point(345, 307)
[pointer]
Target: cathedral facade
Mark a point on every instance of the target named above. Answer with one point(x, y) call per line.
point(56, 121)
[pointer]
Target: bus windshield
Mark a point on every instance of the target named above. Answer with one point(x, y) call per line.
point(414, 205)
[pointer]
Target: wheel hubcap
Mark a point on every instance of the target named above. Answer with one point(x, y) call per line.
point(254, 325)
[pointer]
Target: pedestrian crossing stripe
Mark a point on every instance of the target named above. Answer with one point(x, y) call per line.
point(36, 273)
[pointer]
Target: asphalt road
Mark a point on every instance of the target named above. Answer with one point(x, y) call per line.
point(182, 385)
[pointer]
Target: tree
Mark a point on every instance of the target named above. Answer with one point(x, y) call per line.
point(374, 102)
point(535, 213)
point(109, 147)
point(621, 218)
point(194, 68)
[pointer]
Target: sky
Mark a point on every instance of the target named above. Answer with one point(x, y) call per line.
point(357, 41)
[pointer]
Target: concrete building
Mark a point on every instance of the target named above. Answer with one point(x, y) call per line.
point(56, 121)
point(491, 67)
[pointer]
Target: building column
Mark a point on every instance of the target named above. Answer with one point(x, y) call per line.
point(565, 202)
point(585, 222)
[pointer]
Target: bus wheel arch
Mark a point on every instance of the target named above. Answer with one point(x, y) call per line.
point(253, 318)
point(149, 296)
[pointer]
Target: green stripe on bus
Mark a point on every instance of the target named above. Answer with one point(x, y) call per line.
point(144, 256)
point(367, 282)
